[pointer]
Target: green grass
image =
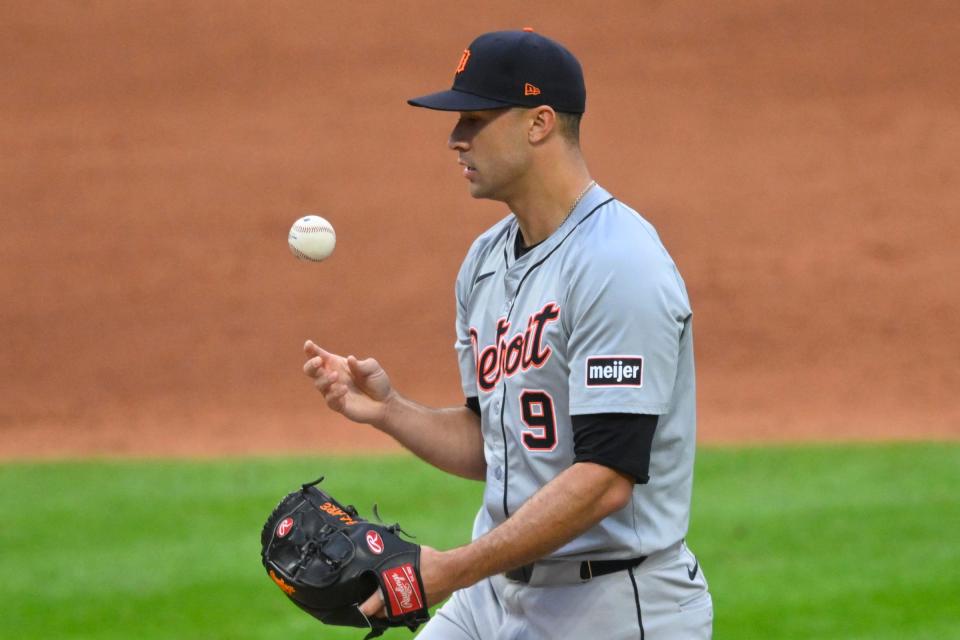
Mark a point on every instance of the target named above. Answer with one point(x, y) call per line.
point(799, 542)
point(831, 542)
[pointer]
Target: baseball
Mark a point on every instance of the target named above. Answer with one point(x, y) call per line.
point(312, 238)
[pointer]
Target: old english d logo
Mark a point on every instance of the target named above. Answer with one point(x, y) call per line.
point(463, 60)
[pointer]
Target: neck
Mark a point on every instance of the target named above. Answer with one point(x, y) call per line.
point(546, 202)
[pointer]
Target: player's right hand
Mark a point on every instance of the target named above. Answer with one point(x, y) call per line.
point(359, 389)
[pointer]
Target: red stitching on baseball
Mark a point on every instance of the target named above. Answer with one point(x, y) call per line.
point(308, 229)
point(301, 254)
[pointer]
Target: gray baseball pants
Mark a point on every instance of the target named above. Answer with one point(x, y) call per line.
point(664, 598)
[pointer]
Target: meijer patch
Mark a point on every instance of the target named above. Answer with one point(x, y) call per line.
point(615, 371)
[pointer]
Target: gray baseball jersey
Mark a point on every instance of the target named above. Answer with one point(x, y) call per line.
point(595, 319)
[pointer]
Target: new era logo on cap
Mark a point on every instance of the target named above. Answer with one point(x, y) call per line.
point(530, 90)
point(614, 371)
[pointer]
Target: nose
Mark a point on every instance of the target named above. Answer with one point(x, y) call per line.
point(456, 144)
point(457, 140)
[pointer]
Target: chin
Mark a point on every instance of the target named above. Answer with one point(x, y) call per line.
point(481, 192)
point(477, 191)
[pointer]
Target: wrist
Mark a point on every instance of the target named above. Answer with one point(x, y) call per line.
point(388, 407)
point(457, 569)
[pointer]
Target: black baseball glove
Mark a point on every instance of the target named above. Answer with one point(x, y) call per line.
point(328, 561)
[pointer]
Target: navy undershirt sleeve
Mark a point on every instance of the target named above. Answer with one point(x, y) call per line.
point(621, 441)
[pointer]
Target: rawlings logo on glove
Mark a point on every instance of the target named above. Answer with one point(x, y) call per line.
point(327, 566)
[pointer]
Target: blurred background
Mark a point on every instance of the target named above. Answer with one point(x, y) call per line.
point(799, 159)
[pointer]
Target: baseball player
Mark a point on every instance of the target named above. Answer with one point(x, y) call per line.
point(575, 348)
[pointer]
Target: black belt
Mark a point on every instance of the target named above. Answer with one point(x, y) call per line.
point(588, 569)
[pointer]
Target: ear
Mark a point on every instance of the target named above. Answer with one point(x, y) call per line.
point(543, 120)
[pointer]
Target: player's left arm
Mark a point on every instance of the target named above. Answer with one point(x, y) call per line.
point(567, 506)
point(574, 501)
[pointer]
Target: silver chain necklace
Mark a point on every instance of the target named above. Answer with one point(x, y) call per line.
point(577, 201)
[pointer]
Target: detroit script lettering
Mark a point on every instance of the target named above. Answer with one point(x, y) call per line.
point(524, 350)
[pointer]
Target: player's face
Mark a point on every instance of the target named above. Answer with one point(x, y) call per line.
point(492, 147)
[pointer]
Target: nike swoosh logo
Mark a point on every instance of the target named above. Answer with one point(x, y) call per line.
point(693, 572)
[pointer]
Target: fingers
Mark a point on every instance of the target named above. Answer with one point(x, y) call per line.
point(337, 398)
point(323, 381)
point(313, 349)
point(373, 606)
point(337, 378)
point(313, 366)
point(362, 368)
point(321, 359)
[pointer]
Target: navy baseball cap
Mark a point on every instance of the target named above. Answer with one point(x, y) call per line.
point(512, 69)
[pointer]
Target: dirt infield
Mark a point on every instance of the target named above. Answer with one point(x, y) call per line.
point(799, 159)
